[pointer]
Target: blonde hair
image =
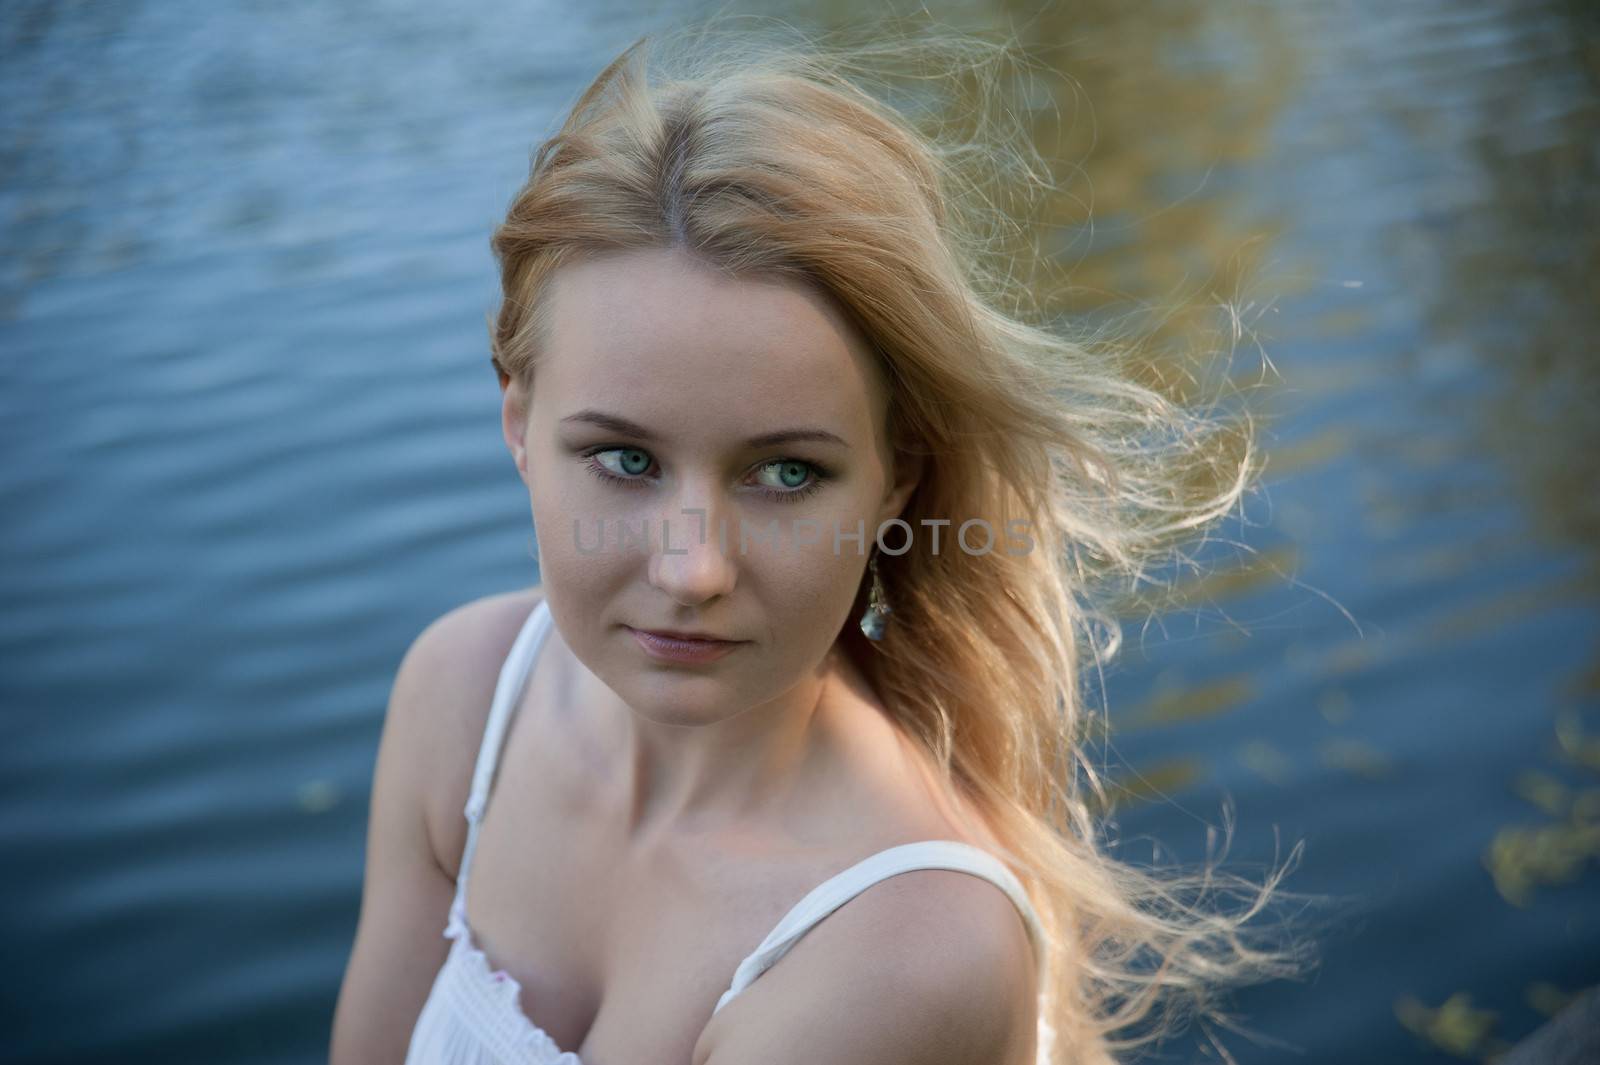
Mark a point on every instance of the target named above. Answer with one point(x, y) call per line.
point(769, 156)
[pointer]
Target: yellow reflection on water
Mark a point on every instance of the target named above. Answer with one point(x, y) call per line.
point(1522, 857)
point(1161, 780)
point(1191, 702)
point(1356, 757)
point(1267, 762)
point(1455, 1027)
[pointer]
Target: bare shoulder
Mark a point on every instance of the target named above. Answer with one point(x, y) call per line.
point(442, 694)
point(931, 965)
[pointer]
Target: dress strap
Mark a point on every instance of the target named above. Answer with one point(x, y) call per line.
point(507, 693)
point(841, 888)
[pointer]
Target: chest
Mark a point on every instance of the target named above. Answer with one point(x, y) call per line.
point(612, 983)
point(620, 956)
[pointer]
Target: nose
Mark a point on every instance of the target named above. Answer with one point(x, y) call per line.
point(689, 560)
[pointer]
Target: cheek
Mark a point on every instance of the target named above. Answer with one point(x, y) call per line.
point(567, 527)
point(810, 587)
point(560, 490)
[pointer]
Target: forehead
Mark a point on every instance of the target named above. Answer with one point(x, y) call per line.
point(655, 333)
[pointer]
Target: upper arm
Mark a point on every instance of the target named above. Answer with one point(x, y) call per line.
point(934, 970)
point(440, 695)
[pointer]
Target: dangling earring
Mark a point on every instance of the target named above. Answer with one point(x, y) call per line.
point(876, 616)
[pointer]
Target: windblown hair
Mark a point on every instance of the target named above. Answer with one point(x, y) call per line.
point(770, 155)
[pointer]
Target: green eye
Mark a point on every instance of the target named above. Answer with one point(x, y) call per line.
point(630, 460)
point(791, 474)
point(796, 479)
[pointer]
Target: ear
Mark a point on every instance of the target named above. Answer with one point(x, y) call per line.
point(514, 421)
point(908, 474)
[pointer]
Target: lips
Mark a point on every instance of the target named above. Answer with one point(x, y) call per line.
point(669, 648)
point(670, 634)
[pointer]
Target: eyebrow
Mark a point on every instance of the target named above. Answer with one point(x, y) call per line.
point(618, 424)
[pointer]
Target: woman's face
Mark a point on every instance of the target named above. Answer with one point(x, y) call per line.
point(657, 506)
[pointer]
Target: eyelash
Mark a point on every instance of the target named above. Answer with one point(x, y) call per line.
point(792, 495)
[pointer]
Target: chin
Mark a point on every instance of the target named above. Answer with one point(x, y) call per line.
point(671, 698)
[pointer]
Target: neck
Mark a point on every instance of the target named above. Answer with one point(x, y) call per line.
point(700, 777)
point(674, 779)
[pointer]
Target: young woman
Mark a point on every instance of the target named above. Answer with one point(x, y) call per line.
point(784, 760)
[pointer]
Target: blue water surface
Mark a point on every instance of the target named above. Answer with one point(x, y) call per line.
point(251, 448)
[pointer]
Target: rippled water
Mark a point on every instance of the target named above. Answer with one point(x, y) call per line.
point(251, 448)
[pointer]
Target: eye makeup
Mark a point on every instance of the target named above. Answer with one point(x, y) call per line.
point(819, 474)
